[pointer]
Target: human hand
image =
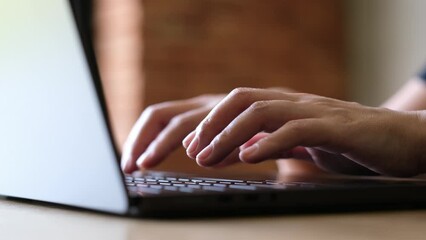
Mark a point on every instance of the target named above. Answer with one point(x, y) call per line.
point(337, 135)
point(161, 129)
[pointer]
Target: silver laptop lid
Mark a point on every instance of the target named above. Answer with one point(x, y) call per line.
point(54, 142)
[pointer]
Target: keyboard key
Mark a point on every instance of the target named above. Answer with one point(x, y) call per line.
point(142, 185)
point(210, 181)
point(216, 189)
point(255, 182)
point(241, 187)
point(194, 186)
point(227, 183)
point(220, 185)
point(269, 186)
point(224, 180)
point(186, 190)
point(153, 184)
point(178, 185)
point(190, 183)
point(204, 184)
point(242, 184)
point(170, 188)
point(177, 182)
point(140, 181)
point(196, 180)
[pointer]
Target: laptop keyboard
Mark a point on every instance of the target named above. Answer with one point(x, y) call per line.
point(152, 185)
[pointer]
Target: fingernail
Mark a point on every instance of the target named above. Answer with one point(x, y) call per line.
point(188, 139)
point(193, 146)
point(249, 152)
point(203, 155)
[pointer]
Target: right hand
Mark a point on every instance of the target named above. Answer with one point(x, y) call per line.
point(161, 129)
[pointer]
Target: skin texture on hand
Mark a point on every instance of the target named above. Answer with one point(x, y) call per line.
point(162, 127)
point(339, 136)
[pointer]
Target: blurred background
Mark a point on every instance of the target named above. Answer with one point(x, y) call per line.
point(151, 51)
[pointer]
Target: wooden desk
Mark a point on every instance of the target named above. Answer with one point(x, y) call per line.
point(28, 221)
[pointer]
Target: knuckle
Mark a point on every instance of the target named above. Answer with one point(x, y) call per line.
point(177, 121)
point(180, 121)
point(208, 130)
point(205, 128)
point(296, 126)
point(259, 107)
point(321, 101)
point(240, 92)
point(354, 104)
point(222, 139)
point(304, 97)
point(152, 111)
point(224, 135)
point(206, 124)
point(315, 100)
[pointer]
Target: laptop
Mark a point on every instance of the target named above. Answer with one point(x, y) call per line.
point(56, 147)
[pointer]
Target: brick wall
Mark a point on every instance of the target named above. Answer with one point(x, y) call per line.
point(198, 46)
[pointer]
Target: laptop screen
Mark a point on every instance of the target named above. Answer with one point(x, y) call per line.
point(52, 127)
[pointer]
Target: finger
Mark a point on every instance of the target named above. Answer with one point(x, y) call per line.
point(299, 153)
point(305, 132)
point(149, 125)
point(188, 139)
point(253, 140)
point(265, 115)
point(228, 109)
point(234, 156)
point(231, 159)
point(171, 137)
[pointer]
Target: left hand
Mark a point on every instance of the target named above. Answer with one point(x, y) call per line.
point(339, 136)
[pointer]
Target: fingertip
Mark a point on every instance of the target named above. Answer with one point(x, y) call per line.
point(123, 165)
point(191, 151)
point(146, 160)
point(140, 161)
point(203, 156)
point(126, 163)
point(248, 155)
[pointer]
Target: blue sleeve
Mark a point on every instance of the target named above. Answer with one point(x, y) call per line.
point(422, 74)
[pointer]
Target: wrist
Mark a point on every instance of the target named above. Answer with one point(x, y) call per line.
point(282, 89)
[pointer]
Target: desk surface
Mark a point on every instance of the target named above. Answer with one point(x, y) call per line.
point(28, 221)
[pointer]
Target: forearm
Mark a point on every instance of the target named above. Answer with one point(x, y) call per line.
point(412, 96)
